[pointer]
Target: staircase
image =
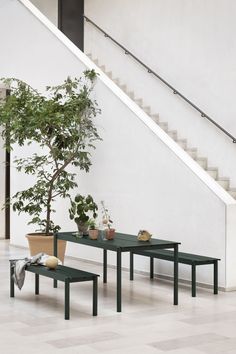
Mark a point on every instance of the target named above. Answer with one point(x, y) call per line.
point(224, 182)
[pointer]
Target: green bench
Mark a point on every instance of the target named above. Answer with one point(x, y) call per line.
point(185, 258)
point(61, 273)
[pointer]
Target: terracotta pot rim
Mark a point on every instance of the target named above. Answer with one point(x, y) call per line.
point(39, 234)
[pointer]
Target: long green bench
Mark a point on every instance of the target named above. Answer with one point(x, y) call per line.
point(186, 258)
point(61, 273)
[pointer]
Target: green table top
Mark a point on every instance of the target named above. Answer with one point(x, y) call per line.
point(123, 242)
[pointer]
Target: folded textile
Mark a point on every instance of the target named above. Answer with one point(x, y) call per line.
point(19, 266)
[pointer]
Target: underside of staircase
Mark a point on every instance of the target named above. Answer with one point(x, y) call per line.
point(224, 182)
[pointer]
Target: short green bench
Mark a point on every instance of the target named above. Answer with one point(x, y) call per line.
point(61, 273)
point(185, 258)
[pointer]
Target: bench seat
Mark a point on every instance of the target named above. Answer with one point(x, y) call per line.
point(61, 273)
point(184, 258)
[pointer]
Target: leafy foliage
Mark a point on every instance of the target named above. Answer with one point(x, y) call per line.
point(81, 208)
point(61, 123)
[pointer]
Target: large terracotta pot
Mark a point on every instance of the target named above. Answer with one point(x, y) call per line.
point(41, 243)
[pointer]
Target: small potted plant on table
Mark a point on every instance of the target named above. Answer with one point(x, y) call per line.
point(93, 229)
point(107, 223)
point(81, 209)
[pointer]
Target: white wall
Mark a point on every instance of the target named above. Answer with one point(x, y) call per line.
point(49, 8)
point(192, 45)
point(146, 181)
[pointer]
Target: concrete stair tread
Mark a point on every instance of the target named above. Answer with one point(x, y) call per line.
point(223, 179)
point(192, 149)
point(212, 169)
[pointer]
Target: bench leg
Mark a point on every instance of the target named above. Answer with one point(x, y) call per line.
point(12, 287)
point(176, 274)
point(131, 266)
point(95, 296)
point(216, 277)
point(104, 266)
point(151, 267)
point(118, 281)
point(36, 284)
point(67, 299)
point(193, 280)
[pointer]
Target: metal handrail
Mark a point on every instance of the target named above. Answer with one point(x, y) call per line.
point(150, 71)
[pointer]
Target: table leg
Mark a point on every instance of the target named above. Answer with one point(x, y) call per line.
point(216, 277)
point(151, 267)
point(118, 284)
point(55, 251)
point(95, 296)
point(131, 266)
point(12, 287)
point(67, 299)
point(193, 280)
point(104, 266)
point(176, 247)
point(36, 284)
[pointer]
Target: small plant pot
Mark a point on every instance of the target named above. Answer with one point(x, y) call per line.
point(93, 234)
point(82, 229)
point(110, 234)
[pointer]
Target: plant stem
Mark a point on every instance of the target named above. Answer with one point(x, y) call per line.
point(50, 190)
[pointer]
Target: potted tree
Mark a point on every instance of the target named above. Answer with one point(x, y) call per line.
point(60, 122)
point(81, 209)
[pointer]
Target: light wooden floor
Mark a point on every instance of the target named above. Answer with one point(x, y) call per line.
point(149, 323)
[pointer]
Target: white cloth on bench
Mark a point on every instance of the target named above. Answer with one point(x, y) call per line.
point(19, 266)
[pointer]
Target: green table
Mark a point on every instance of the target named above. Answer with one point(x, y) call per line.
point(122, 243)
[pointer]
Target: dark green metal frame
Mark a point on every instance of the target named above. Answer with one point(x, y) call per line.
point(122, 243)
point(64, 274)
point(185, 258)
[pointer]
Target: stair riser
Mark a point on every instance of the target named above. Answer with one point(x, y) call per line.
point(224, 184)
point(155, 117)
point(202, 163)
point(163, 126)
point(213, 174)
point(173, 135)
point(182, 144)
point(233, 194)
point(193, 154)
